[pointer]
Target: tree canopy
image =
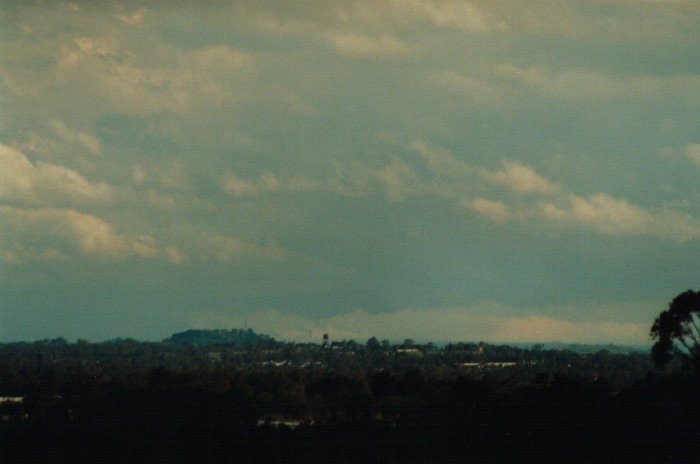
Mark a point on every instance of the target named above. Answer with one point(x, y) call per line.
point(676, 331)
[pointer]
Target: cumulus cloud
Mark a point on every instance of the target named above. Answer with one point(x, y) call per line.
point(614, 216)
point(45, 183)
point(441, 161)
point(519, 178)
point(497, 211)
point(145, 246)
point(31, 234)
point(602, 212)
point(136, 18)
point(692, 151)
point(395, 177)
point(36, 232)
point(174, 255)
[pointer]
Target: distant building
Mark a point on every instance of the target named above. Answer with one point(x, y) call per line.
point(11, 399)
point(490, 364)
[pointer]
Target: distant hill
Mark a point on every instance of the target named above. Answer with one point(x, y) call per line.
point(217, 337)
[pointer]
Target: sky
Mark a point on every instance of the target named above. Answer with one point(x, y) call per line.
point(496, 171)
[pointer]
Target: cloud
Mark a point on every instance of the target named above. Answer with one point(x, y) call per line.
point(88, 142)
point(145, 246)
point(174, 255)
point(441, 161)
point(602, 87)
point(31, 233)
point(546, 329)
point(437, 324)
point(600, 212)
point(268, 183)
point(240, 187)
point(101, 71)
point(619, 217)
point(519, 178)
point(62, 233)
point(483, 92)
point(692, 151)
point(358, 45)
point(497, 211)
point(643, 21)
point(45, 183)
point(226, 249)
point(464, 16)
point(396, 178)
point(136, 18)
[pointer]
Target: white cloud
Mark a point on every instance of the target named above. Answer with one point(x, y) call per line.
point(172, 176)
point(226, 249)
point(88, 142)
point(239, 187)
point(139, 176)
point(488, 322)
point(575, 84)
point(145, 246)
point(395, 177)
point(618, 217)
point(357, 45)
point(218, 60)
point(519, 178)
point(136, 18)
point(461, 15)
point(692, 151)
point(604, 213)
point(30, 234)
point(475, 89)
point(546, 329)
point(270, 23)
point(268, 183)
point(68, 6)
point(441, 161)
point(35, 232)
point(529, 75)
point(45, 183)
point(160, 201)
point(169, 80)
point(497, 211)
point(174, 255)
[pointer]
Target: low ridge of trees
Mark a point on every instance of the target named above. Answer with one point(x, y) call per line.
point(338, 401)
point(217, 337)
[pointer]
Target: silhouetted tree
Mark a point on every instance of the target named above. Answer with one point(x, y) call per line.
point(373, 344)
point(676, 331)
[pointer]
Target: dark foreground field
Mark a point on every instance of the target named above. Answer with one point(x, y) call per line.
point(130, 402)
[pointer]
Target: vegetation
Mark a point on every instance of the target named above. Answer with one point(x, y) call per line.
point(677, 331)
point(342, 401)
point(217, 337)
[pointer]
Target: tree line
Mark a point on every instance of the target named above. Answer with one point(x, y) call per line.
point(232, 396)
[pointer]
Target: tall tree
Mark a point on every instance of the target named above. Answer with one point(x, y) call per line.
point(676, 331)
